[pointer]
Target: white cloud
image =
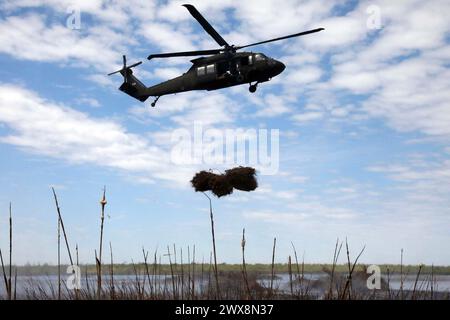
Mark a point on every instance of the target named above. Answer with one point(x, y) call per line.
point(403, 70)
point(273, 106)
point(29, 37)
point(307, 117)
point(89, 101)
point(339, 32)
point(102, 80)
point(302, 212)
point(116, 14)
point(275, 217)
point(208, 109)
point(55, 130)
point(167, 37)
point(302, 76)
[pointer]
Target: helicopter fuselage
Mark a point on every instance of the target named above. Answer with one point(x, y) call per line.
point(221, 71)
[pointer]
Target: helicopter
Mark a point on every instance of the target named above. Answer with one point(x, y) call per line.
point(215, 69)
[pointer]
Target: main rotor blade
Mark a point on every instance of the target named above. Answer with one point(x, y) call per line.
point(184, 54)
point(205, 24)
point(134, 65)
point(282, 38)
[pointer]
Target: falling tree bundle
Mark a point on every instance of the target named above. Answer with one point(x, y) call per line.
point(201, 181)
point(241, 178)
point(220, 185)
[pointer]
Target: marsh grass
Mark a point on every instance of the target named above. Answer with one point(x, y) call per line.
point(184, 278)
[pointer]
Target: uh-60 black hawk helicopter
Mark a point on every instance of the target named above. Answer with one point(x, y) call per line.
point(225, 67)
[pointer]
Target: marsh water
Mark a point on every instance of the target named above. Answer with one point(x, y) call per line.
point(48, 284)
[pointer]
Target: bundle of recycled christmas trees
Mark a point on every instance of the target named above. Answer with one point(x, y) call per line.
point(240, 178)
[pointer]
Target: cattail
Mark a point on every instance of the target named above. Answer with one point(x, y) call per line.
point(103, 203)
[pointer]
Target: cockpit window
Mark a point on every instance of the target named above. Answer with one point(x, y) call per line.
point(259, 57)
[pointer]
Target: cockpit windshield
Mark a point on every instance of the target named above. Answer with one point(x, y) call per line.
point(260, 57)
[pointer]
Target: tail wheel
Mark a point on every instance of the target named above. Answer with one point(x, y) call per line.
point(252, 88)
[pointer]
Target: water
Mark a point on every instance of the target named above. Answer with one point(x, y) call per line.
point(441, 283)
point(49, 283)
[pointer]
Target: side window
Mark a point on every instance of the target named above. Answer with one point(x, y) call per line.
point(201, 71)
point(210, 69)
point(245, 61)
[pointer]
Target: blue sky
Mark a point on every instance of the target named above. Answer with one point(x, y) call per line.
point(363, 112)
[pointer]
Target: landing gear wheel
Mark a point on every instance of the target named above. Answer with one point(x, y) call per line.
point(153, 104)
point(252, 88)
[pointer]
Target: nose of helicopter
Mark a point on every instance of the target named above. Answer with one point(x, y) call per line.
point(277, 67)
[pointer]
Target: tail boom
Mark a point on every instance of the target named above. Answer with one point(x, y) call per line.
point(134, 87)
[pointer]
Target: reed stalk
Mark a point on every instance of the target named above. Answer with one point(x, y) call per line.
point(59, 259)
point(10, 252)
point(298, 269)
point(389, 283)
point(155, 269)
point(88, 289)
point(216, 274)
point(172, 274)
point(62, 225)
point(5, 278)
point(244, 265)
point(147, 272)
point(15, 284)
point(193, 272)
point(337, 251)
point(273, 266)
point(349, 279)
point(182, 271)
point(103, 203)
point(415, 283)
point(401, 274)
point(290, 275)
point(77, 290)
point(432, 282)
point(113, 295)
point(97, 263)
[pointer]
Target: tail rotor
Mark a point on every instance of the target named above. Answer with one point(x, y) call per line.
point(125, 69)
